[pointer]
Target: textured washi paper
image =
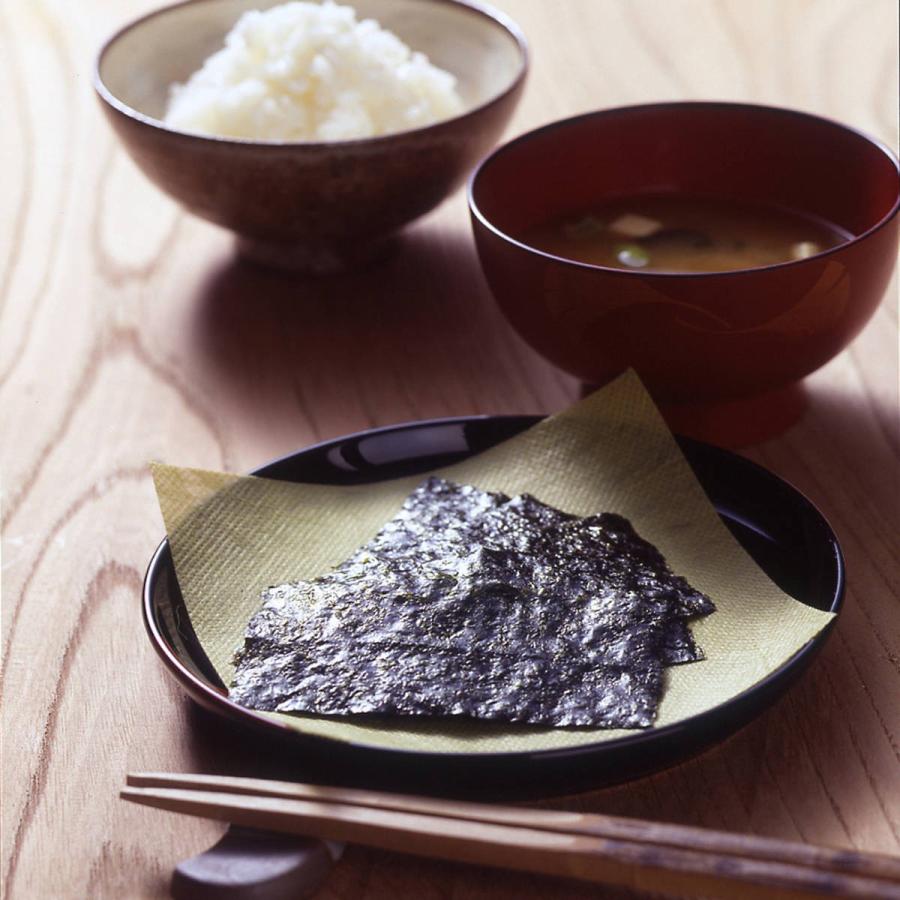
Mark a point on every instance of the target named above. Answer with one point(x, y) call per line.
point(233, 536)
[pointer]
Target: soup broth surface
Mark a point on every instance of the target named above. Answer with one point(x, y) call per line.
point(684, 233)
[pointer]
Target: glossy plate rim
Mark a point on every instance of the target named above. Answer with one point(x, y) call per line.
point(774, 684)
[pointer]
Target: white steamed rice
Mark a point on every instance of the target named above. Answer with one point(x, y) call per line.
point(312, 72)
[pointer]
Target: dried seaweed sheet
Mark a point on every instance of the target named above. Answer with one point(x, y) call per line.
point(473, 603)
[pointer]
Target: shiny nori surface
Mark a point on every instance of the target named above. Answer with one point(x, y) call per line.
point(474, 603)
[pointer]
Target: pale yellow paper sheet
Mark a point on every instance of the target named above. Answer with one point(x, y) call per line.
point(233, 536)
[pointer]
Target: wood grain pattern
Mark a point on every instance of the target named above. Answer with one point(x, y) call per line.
point(129, 332)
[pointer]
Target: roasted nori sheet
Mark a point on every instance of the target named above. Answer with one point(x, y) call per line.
point(474, 603)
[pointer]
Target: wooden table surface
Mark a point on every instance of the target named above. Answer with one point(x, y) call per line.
point(131, 333)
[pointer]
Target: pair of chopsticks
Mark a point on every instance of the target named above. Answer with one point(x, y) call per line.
point(646, 856)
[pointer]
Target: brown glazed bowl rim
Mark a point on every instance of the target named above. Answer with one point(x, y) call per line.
point(619, 111)
point(486, 11)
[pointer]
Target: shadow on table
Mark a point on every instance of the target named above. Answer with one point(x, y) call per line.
point(394, 338)
point(862, 435)
point(866, 430)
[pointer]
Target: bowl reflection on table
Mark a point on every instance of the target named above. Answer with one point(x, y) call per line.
point(315, 206)
point(702, 340)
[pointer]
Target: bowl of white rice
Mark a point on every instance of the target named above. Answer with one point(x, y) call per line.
point(313, 130)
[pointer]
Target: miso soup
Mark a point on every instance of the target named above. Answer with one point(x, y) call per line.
point(683, 233)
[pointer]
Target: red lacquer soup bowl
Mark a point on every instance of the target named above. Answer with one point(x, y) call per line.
point(693, 338)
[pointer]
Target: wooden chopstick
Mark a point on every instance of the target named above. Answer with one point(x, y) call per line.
point(791, 852)
point(642, 855)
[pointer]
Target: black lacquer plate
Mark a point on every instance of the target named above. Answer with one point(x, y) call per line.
point(778, 526)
